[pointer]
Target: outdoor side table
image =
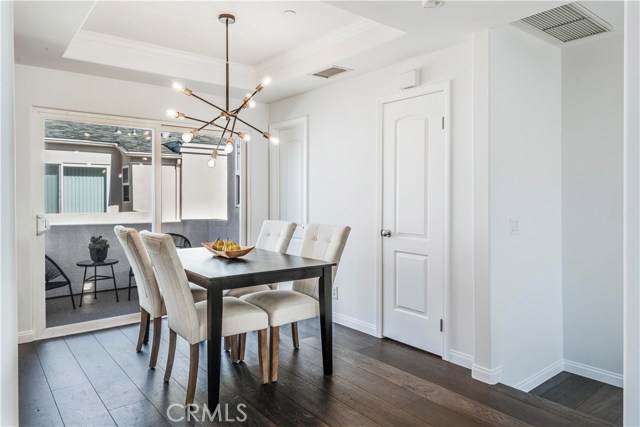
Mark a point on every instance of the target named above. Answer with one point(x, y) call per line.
point(95, 278)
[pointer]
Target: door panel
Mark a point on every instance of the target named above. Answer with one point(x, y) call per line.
point(414, 156)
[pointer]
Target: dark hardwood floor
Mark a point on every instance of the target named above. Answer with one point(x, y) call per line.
point(591, 397)
point(98, 379)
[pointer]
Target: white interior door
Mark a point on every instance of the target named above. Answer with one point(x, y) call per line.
point(413, 218)
point(288, 176)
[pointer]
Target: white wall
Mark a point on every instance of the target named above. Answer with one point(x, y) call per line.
point(592, 160)
point(78, 92)
point(525, 181)
point(8, 297)
point(343, 179)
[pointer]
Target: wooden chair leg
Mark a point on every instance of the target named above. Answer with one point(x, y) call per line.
point(294, 335)
point(242, 343)
point(274, 344)
point(227, 343)
point(234, 348)
point(194, 358)
point(262, 356)
point(144, 321)
point(170, 355)
point(146, 330)
point(155, 347)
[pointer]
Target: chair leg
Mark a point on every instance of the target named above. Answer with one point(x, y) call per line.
point(234, 348)
point(146, 330)
point(294, 335)
point(262, 356)
point(157, 330)
point(274, 344)
point(227, 343)
point(242, 343)
point(73, 302)
point(171, 354)
point(194, 358)
point(144, 321)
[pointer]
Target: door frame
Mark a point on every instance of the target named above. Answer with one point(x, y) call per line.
point(445, 87)
point(274, 170)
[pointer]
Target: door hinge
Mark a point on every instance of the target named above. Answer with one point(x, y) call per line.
point(443, 122)
point(441, 325)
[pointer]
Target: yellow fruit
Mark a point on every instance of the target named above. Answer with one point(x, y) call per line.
point(218, 245)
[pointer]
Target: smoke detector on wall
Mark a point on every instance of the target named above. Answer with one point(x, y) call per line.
point(565, 24)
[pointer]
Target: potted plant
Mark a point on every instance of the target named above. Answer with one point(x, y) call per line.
point(98, 248)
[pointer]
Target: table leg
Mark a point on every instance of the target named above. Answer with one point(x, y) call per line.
point(214, 337)
point(326, 319)
point(95, 282)
point(84, 278)
point(115, 286)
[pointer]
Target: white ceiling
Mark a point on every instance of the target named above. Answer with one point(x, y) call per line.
point(155, 42)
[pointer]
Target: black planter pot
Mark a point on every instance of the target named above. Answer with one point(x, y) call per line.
point(98, 253)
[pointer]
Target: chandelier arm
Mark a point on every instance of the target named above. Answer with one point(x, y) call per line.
point(223, 132)
point(207, 102)
point(212, 122)
point(209, 123)
point(251, 126)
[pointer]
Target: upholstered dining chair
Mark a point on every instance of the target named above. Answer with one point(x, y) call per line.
point(274, 236)
point(189, 319)
point(323, 242)
point(150, 298)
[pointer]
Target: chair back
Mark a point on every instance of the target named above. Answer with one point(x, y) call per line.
point(180, 241)
point(148, 291)
point(178, 300)
point(322, 242)
point(53, 271)
point(275, 235)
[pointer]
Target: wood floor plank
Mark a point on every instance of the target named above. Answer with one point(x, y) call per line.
point(141, 413)
point(552, 383)
point(80, 405)
point(110, 382)
point(36, 403)
point(605, 404)
point(437, 415)
point(58, 364)
point(574, 391)
point(351, 395)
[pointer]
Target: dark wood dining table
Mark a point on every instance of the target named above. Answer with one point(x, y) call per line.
point(258, 267)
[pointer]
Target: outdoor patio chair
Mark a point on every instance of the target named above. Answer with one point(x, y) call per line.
point(55, 278)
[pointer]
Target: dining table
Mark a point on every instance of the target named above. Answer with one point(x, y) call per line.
point(259, 267)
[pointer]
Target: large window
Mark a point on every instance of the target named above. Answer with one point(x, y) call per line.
point(82, 189)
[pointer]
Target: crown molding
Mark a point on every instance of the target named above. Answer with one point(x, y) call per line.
point(119, 52)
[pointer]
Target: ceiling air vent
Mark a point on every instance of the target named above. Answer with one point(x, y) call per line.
point(330, 72)
point(567, 23)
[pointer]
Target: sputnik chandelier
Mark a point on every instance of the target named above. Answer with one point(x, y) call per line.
point(227, 118)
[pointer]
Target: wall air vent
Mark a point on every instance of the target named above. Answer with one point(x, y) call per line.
point(567, 23)
point(330, 72)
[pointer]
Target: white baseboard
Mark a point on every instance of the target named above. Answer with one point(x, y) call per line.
point(461, 359)
point(353, 323)
point(486, 375)
point(25, 336)
point(592, 372)
point(541, 376)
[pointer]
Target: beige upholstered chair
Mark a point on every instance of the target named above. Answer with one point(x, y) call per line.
point(189, 319)
point(323, 242)
point(274, 236)
point(151, 304)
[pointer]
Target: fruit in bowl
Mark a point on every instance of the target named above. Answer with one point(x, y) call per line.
point(227, 248)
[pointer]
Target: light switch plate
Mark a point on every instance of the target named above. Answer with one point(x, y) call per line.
point(334, 292)
point(514, 226)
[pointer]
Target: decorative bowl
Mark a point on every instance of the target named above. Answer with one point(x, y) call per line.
point(229, 254)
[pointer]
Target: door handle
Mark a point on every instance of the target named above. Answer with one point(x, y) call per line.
point(385, 233)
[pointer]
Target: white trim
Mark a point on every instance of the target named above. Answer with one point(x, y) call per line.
point(445, 87)
point(25, 336)
point(353, 323)
point(593, 373)
point(459, 358)
point(541, 376)
point(274, 168)
point(489, 376)
point(90, 326)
